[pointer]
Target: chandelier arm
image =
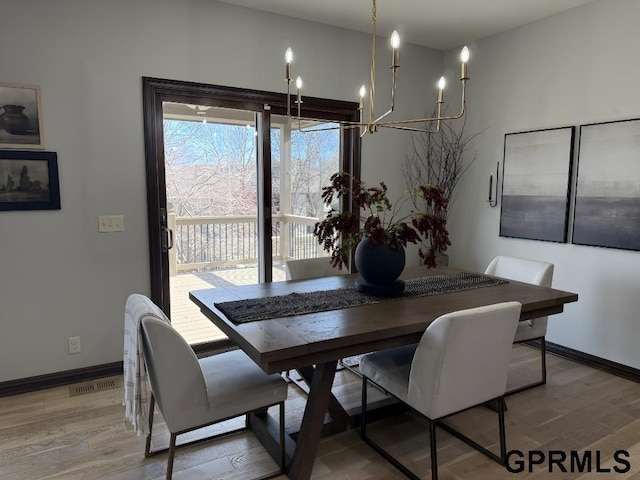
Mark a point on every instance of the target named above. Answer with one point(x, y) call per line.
point(398, 124)
point(424, 120)
point(383, 115)
point(438, 118)
point(346, 123)
point(411, 129)
point(393, 97)
point(320, 129)
point(339, 124)
point(288, 97)
point(420, 120)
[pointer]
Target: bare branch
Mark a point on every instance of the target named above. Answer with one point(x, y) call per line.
point(439, 159)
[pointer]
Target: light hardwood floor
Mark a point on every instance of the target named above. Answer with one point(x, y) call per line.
point(52, 435)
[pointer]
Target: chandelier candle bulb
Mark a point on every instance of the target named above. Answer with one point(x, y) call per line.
point(363, 92)
point(441, 84)
point(464, 58)
point(299, 90)
point(288, 57)
point(395, 45)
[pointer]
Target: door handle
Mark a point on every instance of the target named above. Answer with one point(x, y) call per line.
point(167, 239)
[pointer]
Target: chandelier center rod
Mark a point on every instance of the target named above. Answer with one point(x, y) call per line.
point(372, 86)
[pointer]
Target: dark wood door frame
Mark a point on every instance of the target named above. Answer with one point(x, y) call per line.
point(156, 91)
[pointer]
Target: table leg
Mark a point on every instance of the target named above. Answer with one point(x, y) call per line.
point(312, 421)
point(335, 408)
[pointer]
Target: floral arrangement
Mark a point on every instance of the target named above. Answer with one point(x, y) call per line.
point(375, 217)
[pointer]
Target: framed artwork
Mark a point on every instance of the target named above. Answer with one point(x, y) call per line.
point(29, 180)
point(536, 184)
point(607, 209)
point(20, 116)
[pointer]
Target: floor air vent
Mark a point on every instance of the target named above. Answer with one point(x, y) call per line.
point(94, 386)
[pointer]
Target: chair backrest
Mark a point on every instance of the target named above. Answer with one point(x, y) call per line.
point(462, 359)
point(176, 378)
point(521, 270)
point(136, 307)
point(304, 268)
point(527, 271)
point(136, 385)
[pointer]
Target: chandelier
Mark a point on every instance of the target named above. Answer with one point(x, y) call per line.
point(373, 124)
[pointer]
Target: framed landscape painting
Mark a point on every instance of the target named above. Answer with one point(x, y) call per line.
point(29, 180)
point(536, 184)
point(20, 116)
point(607, 210)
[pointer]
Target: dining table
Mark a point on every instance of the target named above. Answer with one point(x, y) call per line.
point(309, 325)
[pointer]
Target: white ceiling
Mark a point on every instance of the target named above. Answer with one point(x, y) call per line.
point(439, 24)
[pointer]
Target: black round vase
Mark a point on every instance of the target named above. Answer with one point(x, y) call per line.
point(379, 266)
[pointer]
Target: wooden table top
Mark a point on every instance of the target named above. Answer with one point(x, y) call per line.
point(301, 340)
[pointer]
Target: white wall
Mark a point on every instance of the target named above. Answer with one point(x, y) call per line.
point(574, 68)
point(60, 277)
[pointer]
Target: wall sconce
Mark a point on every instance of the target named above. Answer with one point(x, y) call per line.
point(493, 199)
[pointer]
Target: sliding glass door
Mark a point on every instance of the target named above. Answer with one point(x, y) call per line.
point(234, 191)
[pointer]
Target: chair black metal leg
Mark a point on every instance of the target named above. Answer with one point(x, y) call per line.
point(152, 406)
point(472, 443)
point(173, 437)
point(348, 367)
point(543, 353)
point(282, 451)
point(503, 434)
point(374, 445)
point(434, 455)
point(543, 379)
point(501, 459)
point(363, 419)
point(172, 451)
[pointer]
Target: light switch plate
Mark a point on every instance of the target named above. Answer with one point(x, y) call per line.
point(110, 223)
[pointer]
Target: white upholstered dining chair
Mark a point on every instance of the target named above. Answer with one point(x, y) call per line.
point(461, 361)
point(192, 393)
point(304, 268)
point(536, 273)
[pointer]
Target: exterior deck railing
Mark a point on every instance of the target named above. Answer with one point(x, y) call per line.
point(223, 242)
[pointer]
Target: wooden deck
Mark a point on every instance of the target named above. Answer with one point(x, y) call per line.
point(186, 316)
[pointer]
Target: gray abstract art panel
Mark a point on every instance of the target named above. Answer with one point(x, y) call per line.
point(536, 184)
point(607, 211)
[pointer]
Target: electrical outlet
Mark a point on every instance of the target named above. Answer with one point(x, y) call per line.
point(74, 345)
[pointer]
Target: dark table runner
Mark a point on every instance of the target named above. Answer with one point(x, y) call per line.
point(264, 308)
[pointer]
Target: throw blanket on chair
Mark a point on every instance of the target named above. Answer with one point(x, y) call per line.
point(136, 385)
